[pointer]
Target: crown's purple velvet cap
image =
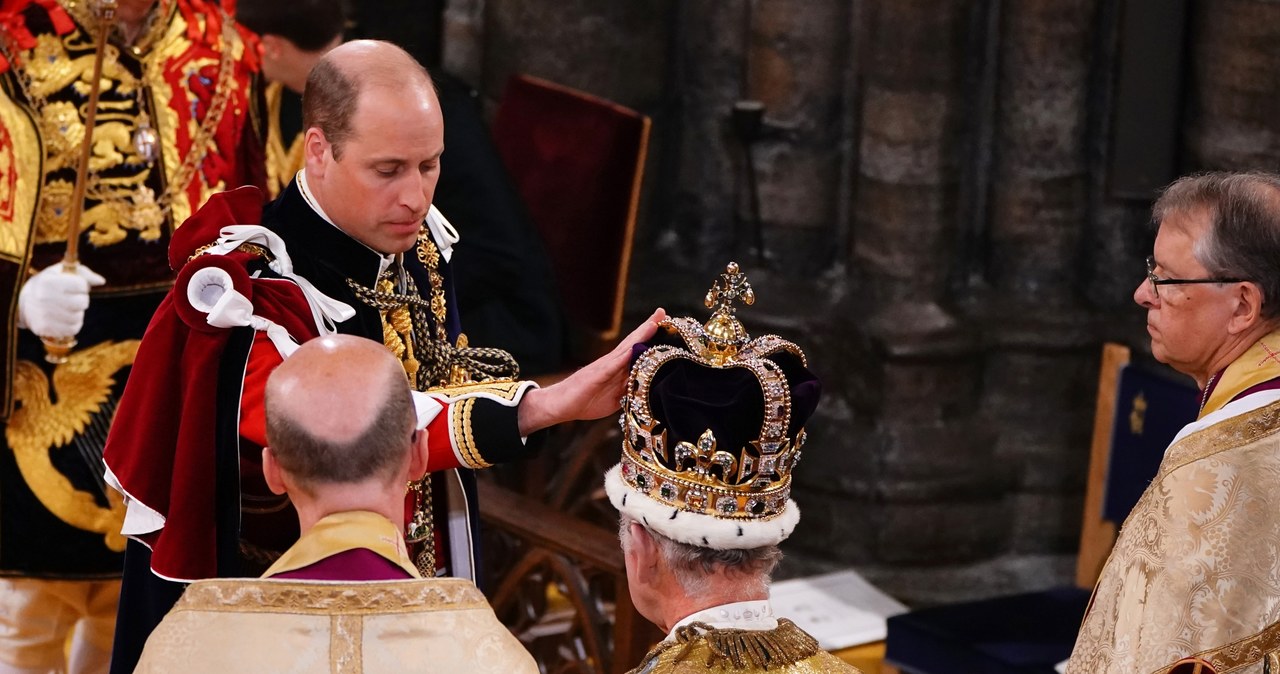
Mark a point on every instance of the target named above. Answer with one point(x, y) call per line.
point(687, 398)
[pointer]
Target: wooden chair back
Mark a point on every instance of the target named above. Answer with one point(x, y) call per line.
point(1139, 411)
point(578, 162)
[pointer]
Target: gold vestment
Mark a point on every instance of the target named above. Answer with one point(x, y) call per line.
point(1195, 571)
point(385, 627)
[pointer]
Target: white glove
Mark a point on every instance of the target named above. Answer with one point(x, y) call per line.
point(52, 303)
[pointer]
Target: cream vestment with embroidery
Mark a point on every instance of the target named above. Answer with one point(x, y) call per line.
point(1196, 569)
point(387, 627)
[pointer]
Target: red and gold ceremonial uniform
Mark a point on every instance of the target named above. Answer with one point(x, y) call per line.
point(176, 122)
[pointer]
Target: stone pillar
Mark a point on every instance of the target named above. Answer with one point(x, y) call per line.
point(616, 50)
point(1039, 200)
point(1235, 94)
point(711, 54)
point(932, 494)
point(797, 56)
point(905, 225)
point(1041, 364)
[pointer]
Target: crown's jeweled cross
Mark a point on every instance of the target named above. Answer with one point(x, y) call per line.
point(731, 285)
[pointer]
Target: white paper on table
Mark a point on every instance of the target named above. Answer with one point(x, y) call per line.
point(839, 609)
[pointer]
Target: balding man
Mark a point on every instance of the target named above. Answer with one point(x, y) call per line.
point(340, 422)
point(354, 246)
point(1193, 583)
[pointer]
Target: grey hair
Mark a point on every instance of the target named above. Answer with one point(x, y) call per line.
point(1243, 238)
point(691, 564)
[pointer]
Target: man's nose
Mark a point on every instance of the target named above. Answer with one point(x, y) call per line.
point(1145, 294)
point(413, 194)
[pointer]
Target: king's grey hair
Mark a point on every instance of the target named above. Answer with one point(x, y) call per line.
point(692, 564)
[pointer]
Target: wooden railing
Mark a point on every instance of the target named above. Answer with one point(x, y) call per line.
point(555, 578)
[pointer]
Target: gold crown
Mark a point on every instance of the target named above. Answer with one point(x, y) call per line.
point(751, 482)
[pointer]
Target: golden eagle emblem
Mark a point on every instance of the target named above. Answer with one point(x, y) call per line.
point(82, 388)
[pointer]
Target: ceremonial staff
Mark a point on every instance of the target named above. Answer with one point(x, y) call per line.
point(56, 349)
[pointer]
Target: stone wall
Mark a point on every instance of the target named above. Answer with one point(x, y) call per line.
point(937, 230)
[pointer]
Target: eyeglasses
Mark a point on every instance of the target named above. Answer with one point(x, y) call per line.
point(1156, 281)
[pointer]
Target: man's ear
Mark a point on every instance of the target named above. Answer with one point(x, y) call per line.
point(316, 152)
point(271, 471)
point(1248, 308)
point(644, 553)
point(418, 455)
point(272, 45)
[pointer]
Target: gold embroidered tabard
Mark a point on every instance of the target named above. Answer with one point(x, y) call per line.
point(162, 104)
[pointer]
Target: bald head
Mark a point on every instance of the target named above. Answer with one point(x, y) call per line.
point(337, 82)
point(339, 410)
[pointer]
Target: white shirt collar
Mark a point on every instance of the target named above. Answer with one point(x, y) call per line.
point(386, 260)
point(754, 615)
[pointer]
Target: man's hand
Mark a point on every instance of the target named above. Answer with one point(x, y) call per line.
point(589, 393)
point(52, 303)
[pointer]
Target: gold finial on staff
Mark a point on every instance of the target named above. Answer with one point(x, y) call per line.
point(56, 349)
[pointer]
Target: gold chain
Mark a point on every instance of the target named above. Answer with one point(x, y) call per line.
point(429, 256)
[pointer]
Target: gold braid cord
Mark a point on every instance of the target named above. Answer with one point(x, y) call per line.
point(413, 329)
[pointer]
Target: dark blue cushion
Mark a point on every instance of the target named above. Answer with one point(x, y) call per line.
point(1023, 633)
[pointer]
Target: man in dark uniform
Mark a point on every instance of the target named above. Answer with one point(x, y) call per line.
point(352, 245)
point(502, 275)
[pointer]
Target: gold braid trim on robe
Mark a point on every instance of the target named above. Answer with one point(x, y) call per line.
point(1264, 647)
point(700, 648)
point(315, 627)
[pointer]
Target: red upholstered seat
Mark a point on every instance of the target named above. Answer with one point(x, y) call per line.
point(577, 161)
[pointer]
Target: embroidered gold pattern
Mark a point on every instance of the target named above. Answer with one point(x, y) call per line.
point(1242, 430)
point(346, 645)
point(20, 160)
point(81, 387)
point(269, 596)
point(53, 78)
point(505, 389)
point(282, 162)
